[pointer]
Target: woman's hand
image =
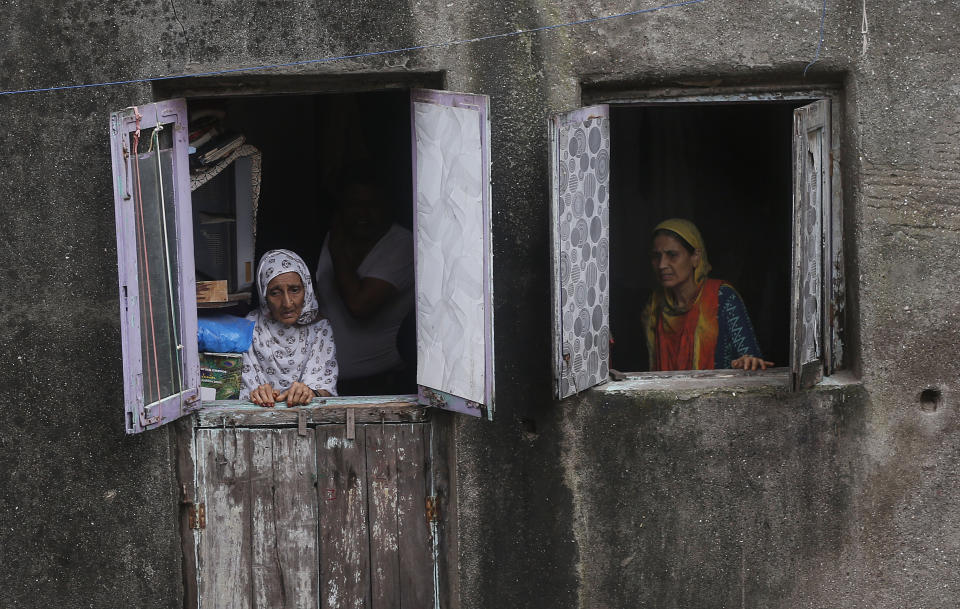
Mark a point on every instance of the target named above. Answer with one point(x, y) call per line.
point(297, 395)
point(264, 395)
point(749, 362)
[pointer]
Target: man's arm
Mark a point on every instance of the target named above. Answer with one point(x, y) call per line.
point(363, 296)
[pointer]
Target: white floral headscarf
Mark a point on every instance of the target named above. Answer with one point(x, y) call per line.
point(280, 354)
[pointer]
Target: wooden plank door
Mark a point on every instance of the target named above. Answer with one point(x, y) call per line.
point(375, 546)
point(315, 520)
point(259, 545)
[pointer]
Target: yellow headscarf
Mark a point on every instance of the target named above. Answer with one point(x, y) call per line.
point(688, 230)
point(662, 302)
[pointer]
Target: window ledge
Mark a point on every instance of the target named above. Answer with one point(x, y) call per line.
point(366, 409)
point(699, 382)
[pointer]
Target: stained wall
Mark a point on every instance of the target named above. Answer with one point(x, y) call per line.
point(844, 496)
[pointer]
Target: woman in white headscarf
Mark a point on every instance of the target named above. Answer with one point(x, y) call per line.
point(292, 358)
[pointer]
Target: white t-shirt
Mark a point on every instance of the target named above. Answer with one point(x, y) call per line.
point(369, 346)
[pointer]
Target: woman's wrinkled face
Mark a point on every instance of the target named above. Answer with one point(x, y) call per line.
point(285, 297)
point(672, 264)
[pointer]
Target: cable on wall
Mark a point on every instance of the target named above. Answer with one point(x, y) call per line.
point(422, 47)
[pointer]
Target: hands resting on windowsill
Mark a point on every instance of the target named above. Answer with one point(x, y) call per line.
point(749, 362)
point(297, 395)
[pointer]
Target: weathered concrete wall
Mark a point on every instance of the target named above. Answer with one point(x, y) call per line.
point(844, 498)
point(840, 498)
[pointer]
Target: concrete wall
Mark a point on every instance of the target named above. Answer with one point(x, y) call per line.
point(843, 497)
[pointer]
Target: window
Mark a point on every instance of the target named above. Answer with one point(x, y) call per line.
point(450, 174)
point(756, 176)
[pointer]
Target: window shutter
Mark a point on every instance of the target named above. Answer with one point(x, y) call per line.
point(454, 259)
point(151, 183)
point(812, 247)
point(580, 226)
point(834, 280)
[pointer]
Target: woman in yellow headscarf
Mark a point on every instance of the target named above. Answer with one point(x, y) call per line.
point(693, 322)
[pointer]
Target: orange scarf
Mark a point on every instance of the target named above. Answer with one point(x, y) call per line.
point(688, 341)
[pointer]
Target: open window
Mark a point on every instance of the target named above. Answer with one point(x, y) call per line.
point(237, 211)
point(757, 176)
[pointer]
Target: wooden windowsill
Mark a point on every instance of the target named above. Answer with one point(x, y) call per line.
point(366, 409)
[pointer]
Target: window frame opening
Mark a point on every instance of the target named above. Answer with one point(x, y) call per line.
point(302, 173)
point(423, 90)
point(828, 343)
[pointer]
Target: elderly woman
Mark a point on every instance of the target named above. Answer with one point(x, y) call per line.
point(292, 358)
point(692, 322)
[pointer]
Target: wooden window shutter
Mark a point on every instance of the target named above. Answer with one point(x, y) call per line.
point(454, 254)
point(579, 144)
point(151, 184)
point(812, 215)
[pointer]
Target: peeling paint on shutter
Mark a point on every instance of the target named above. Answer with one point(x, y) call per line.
point(161, 369)
point(812, 280)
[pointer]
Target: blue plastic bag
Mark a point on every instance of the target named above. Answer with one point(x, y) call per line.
point(225, 334)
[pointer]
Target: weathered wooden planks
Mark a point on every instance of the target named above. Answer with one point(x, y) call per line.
point(185, 448)
point(284, 519)
point(441, 465)
point(224, 546)
point(259, 546)
point(415, 543)
point(317, 520)
point(382, 483)
point(234, 413)
point(344, 536)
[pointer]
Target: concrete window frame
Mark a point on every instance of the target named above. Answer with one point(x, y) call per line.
point(817, 348)
point(140, 416)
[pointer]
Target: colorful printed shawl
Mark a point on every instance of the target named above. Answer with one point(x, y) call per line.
point(684, 339)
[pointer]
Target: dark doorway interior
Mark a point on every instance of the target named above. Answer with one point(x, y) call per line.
point(727, 168)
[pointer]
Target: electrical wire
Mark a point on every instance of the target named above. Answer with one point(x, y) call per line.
point(305, 62)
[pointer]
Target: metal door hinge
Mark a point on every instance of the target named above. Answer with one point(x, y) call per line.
point(432, 509)
point(197, 515)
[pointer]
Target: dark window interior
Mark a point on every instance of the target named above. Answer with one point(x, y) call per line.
point(727, 168)
point(310, 145)
point(309, 142)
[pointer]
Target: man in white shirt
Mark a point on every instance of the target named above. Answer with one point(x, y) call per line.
point(365, 285)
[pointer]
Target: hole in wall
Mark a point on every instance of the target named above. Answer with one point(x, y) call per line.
point(930, 399)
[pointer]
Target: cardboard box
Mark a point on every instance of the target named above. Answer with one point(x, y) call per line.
point(222, 372)
point(212, 291)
